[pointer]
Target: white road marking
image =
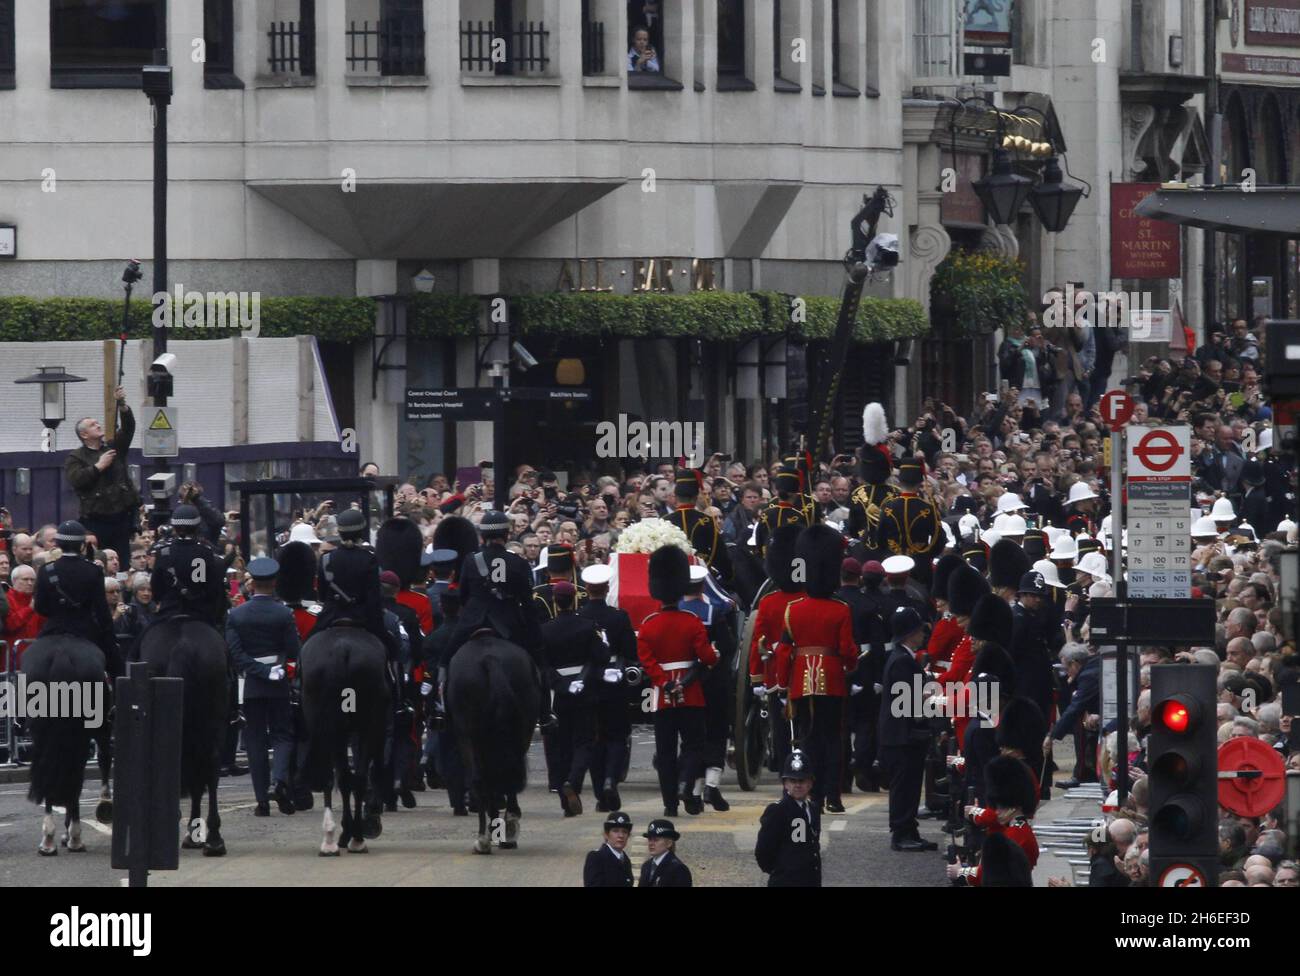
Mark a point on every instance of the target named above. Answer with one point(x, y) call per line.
point(89, 823)
point(838, 824)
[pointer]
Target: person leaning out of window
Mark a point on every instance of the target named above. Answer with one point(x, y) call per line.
point(642, 56)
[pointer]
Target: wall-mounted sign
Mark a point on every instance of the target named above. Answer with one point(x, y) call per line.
point(987, 23)
point(8, 241)
point(1141, 247)
point(1258, 64)
point(1273, 23)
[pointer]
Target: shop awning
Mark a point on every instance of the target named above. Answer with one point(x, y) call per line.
point(1265, 209)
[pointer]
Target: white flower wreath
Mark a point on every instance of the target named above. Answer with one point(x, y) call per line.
point(650, 534)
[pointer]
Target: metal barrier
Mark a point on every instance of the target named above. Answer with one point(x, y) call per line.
point(12, 659)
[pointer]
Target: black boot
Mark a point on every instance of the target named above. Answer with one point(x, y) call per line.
point(714, 798)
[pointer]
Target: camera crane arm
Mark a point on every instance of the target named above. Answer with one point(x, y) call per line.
point(831, 363)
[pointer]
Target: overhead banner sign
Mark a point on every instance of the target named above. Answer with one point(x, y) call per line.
point(1141, 247)
point(987, 24)
point(1273, 23)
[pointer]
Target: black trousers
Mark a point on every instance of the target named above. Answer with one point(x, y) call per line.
point(571, 741)
point(609, 751)
point(671, 724)
point(719, 704)
point(112, 532)
point(818, 720)
point(269, 728)
point(905, 767)
point(864, 723)
point(1085, 754)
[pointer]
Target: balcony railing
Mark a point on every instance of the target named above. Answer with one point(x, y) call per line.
point(593, 47)
point(293, 48)
point(389, 47)
point(520, 51)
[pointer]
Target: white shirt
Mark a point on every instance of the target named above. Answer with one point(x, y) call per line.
point(619, 854)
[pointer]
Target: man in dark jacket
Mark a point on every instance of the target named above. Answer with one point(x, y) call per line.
point(1029, 647)
point(789, 849)
point(904, 734)
point(263, 638)
point(609, 866)
point(609, 753)
point(575, 659)
point(1084, 671)
point(97, 472)
point(188, 575)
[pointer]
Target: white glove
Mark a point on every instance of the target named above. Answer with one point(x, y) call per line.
point(877, 688)
point(575, 687)
point(613, 676)
point(277, 673)
point(855, 689)
point(760, 691)
point(426, 689)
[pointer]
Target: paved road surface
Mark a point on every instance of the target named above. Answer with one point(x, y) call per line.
point(428, 846)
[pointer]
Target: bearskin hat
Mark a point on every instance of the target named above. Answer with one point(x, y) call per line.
point(965, 587)
point(875, 463)
point(977, 556)
point(1004, 864)
point(779, 560)
point(1035, 545)
point(993, 665)
point(398, 544)
point(991, 620)
point(296, 580)
point(455, 532)
point(1007, 564)
point(1023, 728)
point(670, 574)
point(822, 550)
point(943, 571)
point(1009, 783)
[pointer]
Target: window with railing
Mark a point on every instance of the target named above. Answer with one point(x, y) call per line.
point(392, 45)
point(6, 44)
point(498, 37)
point(731, 47)
point(103, 45)
point(935, 41)
point(593, 42)
point(219, 45)
point(292, 43)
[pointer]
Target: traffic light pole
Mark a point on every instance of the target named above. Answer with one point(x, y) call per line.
point(1121, 594)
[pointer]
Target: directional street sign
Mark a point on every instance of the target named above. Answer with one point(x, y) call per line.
point(161, 436)
point(479, 402)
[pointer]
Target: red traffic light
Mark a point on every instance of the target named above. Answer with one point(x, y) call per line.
point(1175, 717)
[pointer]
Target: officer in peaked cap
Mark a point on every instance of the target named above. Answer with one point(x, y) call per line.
point(263, 638)
point(576, 655)
point(70, 596)
point(664, 869)
point(608, 866)
point(622, 671)
point(559, 566)
point(910, 524)
point(904, 738)
point(188, 575)
point(788, 849)
point(784, 512)
point(443, 563)
point(703, 530)
point(347, 583)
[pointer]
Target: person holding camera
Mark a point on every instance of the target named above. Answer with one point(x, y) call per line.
point(642, 56)
point(97, 472)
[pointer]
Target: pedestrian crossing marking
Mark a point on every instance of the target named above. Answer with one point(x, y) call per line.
point(160, 421)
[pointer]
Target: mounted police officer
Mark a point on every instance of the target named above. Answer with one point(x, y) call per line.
point(70, 596)
point(263, 638)
point(188, 576)
point(496, 594)
point(347, 584)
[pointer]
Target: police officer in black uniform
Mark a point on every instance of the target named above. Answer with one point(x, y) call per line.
point(789, 849)
point(864, 703)
point(703, 530)
point(347, 583)
point(609, 866)
point(609, 753)
point(188, 576)
point(496, 593)
point(70, 596)
point(576, 654)
point(719, 687)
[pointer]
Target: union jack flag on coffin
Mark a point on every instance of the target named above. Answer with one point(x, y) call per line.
point(629, 586)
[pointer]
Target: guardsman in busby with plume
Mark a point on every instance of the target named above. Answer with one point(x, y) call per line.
point(815, 654)
point(875, 467)
point(1012, 801)
point(399, 544)
point(295, 584)
point(768, 625)
point(673, 647)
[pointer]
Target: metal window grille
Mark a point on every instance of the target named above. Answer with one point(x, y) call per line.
point(593, 48)
point(293, 45)
point(389, 47)
point(525, 48)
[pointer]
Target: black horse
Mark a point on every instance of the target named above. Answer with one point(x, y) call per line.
point(346, 703)
point(68, 668)
point(189, 649)
point(492, 699)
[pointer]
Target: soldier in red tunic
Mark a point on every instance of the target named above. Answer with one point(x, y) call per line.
point(1012, 800)
point(768, 624)
point(673, 645)
point(816, 653)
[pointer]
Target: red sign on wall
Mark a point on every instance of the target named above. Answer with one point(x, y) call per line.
point(1141, 247)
